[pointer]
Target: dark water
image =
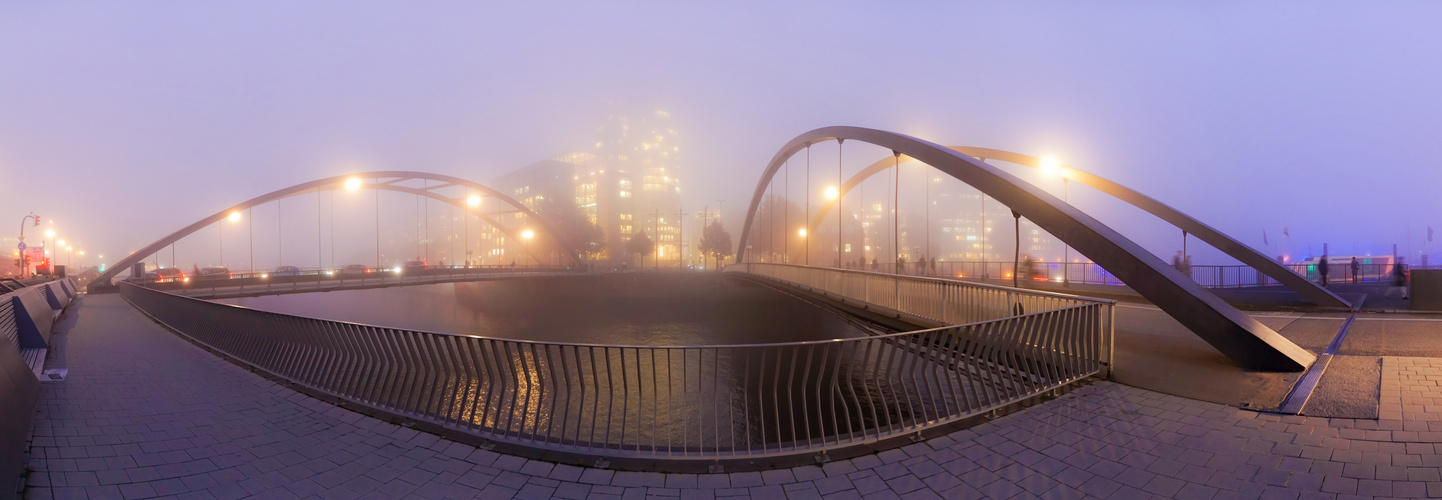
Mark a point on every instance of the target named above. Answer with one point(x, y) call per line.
point(627, 309)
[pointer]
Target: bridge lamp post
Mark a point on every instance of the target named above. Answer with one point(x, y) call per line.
point(832, 194)
point(526, 239)
point(1051, 167)
point(49, 235)
point(473, 201)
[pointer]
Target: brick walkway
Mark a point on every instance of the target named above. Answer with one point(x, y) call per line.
point(146, 414)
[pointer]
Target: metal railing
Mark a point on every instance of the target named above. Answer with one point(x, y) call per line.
point(941, 300)
point(705, 402)
point(19, 388)
point(1208, 276)
point(254, 283)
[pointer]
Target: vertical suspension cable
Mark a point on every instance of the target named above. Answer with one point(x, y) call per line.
point(838, 201)
point(807, 223)
point(896, 212)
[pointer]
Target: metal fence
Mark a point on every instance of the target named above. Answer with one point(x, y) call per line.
point(26, 316)
point(256, 283)
point(941, 300)
point(668, 403)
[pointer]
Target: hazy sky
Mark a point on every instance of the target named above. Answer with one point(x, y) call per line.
point(124, 121)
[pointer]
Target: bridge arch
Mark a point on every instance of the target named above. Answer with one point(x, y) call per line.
point(380, 180)
point(1217, 239)
point(1246, 341)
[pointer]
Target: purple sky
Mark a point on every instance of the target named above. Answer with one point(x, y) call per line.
point(126, 121)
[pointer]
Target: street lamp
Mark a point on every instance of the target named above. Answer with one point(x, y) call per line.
point(832, 193)
point(474, 201)
point(526, 235)
point(352, 184)
point(801, 232)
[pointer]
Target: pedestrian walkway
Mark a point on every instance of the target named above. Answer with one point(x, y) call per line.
point(146, 414)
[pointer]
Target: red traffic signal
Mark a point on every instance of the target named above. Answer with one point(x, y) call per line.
point(37, 220)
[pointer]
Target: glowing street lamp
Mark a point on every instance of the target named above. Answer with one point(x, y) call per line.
point(832, 193)
point(801, 232)
point(527, 235)
point(1050, 166)
point(474, 200)
point(234, 216)
point(352, 184)
point(49, 233)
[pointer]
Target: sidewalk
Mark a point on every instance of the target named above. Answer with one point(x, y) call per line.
point(145, 414)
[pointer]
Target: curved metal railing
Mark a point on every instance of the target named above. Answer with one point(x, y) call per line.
point(940, 300)
point(674, 402)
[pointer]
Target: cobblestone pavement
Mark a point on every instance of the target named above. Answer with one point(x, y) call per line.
point(146, 414)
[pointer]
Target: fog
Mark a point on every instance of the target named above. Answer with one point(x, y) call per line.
point(123, 122)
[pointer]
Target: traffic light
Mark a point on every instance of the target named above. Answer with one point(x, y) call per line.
point(37, 220)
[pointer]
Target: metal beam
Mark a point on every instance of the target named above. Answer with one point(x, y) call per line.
point(330, 183)
point(1246, 341)
point(1211, 236)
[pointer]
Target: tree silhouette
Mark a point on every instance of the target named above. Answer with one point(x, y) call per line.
point(716, 241)
point(572, 225)
point(641, 245)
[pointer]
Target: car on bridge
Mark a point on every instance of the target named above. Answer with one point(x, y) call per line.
point(354, 270)
point(213, 273)
point(285, 271)
point(412, 267)
point(167, 275)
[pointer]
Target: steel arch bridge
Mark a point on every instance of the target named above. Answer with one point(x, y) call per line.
point(379, 180)
point(1221, 241)
point(1241, 338)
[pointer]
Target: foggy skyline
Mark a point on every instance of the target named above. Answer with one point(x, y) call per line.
point(127, 122)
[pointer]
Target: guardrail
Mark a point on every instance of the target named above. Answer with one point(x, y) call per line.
point(260, 284)
point(26, 317)
point(673, 403)
point(940, 300)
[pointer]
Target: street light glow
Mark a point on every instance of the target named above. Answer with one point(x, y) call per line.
point(832, 193)
point(527, 234)
point(235, 216)
point(352, 184)
point(49, 233)
point(1049, 165)
point(474, 201)
point(60, 243)
point(801, 232)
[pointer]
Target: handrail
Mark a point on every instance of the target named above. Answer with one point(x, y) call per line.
point(19, 388)
point(700, 402)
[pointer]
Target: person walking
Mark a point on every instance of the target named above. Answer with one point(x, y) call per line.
point(1356, 270)
point(1322, 269)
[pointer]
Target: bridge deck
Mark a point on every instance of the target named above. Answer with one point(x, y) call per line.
point(144, 413)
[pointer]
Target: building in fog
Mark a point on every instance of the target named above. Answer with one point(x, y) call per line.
point(627, 181)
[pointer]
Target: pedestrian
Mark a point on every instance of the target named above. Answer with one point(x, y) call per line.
point(933, 266)
point(1399, 280)
point(874, 265)
point(900, 265)
point(1322, 269)
point(1356, 270)
point(1177, 261)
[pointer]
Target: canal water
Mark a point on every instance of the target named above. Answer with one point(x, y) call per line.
point(620, 309)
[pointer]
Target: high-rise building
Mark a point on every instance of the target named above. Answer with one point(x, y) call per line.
point(628, 183)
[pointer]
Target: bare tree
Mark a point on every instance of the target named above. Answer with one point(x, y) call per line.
point(716, 241)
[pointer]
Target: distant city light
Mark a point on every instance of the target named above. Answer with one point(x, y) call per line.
point(527, 234)
point(49, 233)
point(832, 193)
point(352, 184)
point(474, 201)
point(60, 243)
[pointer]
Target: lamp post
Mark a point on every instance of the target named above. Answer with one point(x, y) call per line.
point(49, 235)
point(526, 236)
